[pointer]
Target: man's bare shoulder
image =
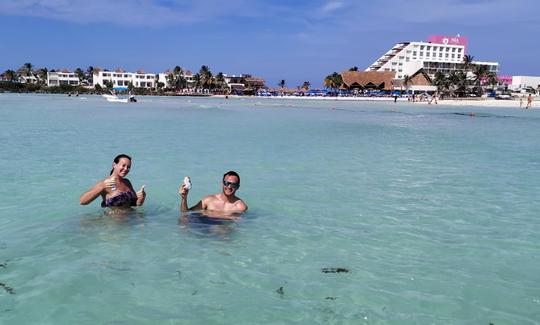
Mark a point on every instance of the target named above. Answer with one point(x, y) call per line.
point(211, 198)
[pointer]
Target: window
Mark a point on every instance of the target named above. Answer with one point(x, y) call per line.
point(428, 48)
point(453, 49)
point(414, 53)
point(422, 47)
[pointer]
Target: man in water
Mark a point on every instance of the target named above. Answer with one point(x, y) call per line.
point(224, 202)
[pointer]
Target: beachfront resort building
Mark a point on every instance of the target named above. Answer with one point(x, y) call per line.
point(28, 79)
point(121, 79)
point(239, 83)
point(57, 78)
point(524, 83)
point(165, 78)
point(439, 54)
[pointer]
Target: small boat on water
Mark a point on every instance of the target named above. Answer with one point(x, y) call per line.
point(116, 99)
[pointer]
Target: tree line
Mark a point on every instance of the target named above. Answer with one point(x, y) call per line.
point(178, 79)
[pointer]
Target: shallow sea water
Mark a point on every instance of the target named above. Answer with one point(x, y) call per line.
point(433, 212)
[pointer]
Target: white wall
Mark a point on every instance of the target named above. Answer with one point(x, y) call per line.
point(520, 82)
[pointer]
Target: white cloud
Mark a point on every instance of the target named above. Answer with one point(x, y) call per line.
point(153, 13)
point(332, 6)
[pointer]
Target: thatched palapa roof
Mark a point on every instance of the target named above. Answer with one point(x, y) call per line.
point(368, 79)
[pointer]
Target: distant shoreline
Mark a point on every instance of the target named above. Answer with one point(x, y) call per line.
point(478, 102)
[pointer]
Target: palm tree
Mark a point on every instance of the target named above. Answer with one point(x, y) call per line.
point(480, 74)
point(458, 82)
point(492, 80)
point(467, 62)
point(306, 85)
point(80, 74)
point(10, 75)
point(42, 76)
point(177, 72)
point(171, 80)
point(220, 81)
point(26, 69)
point(333, 81)
point(89, 75)
point(441, 82)
point(176, 79)
point(197, 80)
point(110, 85)
point(281, 85)
point(407, 81)
point(205, 77)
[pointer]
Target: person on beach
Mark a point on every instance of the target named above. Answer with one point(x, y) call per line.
point(434, 98)
point(116, 190)
point(225, 202)
point(529, 101)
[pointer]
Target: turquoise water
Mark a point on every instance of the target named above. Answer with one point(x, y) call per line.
point(434, 213)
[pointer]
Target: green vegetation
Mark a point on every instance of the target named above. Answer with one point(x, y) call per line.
point(333, 81)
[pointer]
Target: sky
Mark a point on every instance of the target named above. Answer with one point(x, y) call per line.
point(293, 40)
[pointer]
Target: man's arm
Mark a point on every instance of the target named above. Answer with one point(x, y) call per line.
point(242, 206)
point(183, 202)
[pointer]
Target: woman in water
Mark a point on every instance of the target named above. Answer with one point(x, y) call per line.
point(116, 191)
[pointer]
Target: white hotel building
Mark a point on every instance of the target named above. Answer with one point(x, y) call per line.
point(121, 79)
point(187, 75)
point(62, 78)
point(439, 53)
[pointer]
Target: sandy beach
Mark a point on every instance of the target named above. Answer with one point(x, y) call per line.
point(480, 102)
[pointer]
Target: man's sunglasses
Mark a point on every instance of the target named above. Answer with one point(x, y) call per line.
point(232, 185)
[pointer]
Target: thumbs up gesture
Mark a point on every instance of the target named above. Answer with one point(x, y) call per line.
point(141, 195)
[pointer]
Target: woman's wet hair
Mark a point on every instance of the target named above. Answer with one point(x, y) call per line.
point(117, 160)
point(232, 173)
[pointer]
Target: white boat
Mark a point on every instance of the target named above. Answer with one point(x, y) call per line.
point(116, 99)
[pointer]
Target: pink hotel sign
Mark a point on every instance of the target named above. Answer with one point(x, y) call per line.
point(449, 40)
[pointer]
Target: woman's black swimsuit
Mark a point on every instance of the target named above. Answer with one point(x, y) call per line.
point(123, 199)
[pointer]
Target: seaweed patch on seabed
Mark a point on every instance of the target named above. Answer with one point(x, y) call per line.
point(334, 270)
point(280, 292)
point(8, 289)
